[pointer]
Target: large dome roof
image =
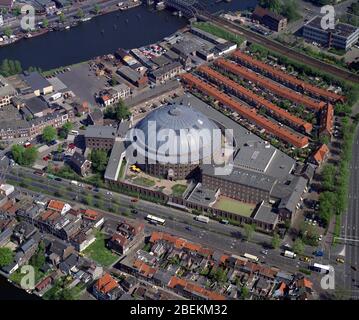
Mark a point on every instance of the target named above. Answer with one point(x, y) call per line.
point(176, 132)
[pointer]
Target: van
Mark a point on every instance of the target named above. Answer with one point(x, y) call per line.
point(224, 221)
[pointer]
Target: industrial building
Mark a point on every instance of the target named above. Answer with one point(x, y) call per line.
point(7, 92)
point(270, 19)
point(343, 36)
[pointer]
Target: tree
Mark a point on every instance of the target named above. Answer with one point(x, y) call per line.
point(65, 130)
point(122, 111)
point(273, 5)
point(244, 293)
point(24, 156)
point(96, 9)
point(7, 31)
point(99, 160)
point(275, 241)
point(49, 134)
point(6, 257)
point(62, 17)
point(45, 23)
point(298, 246)
point(80, 14)
point(248, 230)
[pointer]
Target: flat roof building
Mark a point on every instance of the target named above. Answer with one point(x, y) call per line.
point(343, 36)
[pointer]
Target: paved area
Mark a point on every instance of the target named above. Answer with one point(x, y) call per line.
point(83, 82)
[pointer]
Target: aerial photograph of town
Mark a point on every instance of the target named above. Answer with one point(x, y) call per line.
point(179, 150)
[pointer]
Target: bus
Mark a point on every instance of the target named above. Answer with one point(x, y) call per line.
point(74, 132)
point(251, 257)
point(321, 268)
point(202, 219)
point(155, 220)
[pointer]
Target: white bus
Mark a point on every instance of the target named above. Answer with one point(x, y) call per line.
point(203, 219)
point(155, 220)
point(321, 268)
point(74, 132)
point(251, 257)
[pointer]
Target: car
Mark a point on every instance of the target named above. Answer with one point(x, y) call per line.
point(305, 259)
point(46, 158)
point(353, 268)
point(320, 238)
point(188, 228)
point(134, 211)
point(134, 200)
point(318, 253)
point(265, 252)
point(340, 260)
point(52, 143)
point(58, 179)
point(96, 190)
point(109, 193)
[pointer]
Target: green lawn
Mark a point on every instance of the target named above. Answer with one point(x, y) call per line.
point(98, 251)
point(178, 189)
point(122, 169)
point(142, 181)
point(234, 206)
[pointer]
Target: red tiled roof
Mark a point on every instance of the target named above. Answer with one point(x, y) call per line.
point(320, 154)
point(90, 214)
point(191, 287)
point(180, 243)
point(271, 85)
point(279, 74)
point(252, 115)
point(56, 205)
point(327, 119)
point(279, 112)
point(106, 283)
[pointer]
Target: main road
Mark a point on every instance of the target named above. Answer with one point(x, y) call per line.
point(350, 228)
point(225, 238)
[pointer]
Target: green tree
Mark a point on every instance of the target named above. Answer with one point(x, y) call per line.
point(7, 31)
point(122, 111)
point(62, 17)
point(30, 155)
point(49, 134)
point(6, 257)
point(99, 160)
point(273, 5)
point(65, 130)
point(45, 23)
point(298, 246)
point(248, 230)
point(17, 152)
point(96, 9)
point(275, 241)
point(244, 293)
point(80, 14)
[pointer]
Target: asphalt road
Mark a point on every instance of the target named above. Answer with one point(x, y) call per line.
point(350, 229)
point(225, 238)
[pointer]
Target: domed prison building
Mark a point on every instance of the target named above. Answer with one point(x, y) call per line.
point(173, 141)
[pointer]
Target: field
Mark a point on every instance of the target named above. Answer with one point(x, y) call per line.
point(234, 206)
point(98, 251)
point(145, 182)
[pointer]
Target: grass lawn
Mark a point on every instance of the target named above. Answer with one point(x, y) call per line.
point(98, 251)
point(122, 169)
point(178, 189)
point(145, 182)
point(234, 206)
point(17, 276)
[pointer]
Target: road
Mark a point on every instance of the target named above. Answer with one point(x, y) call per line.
point(225, 238)
point(279, 48)
point(350, 227)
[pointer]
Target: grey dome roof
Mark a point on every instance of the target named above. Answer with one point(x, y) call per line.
point(184, 130)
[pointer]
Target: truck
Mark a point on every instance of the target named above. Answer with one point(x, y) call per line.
point(74, 182)
point(203, 219)
point(289, 254)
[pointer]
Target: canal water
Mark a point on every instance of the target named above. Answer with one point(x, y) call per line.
point(10, 292)
point(104, 34)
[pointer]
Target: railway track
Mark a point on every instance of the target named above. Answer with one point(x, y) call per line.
point(277, 47)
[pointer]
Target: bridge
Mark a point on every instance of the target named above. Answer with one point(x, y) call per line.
point(189, 8)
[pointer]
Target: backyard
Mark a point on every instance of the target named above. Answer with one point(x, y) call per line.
point(98, 251)
point(178, 189)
